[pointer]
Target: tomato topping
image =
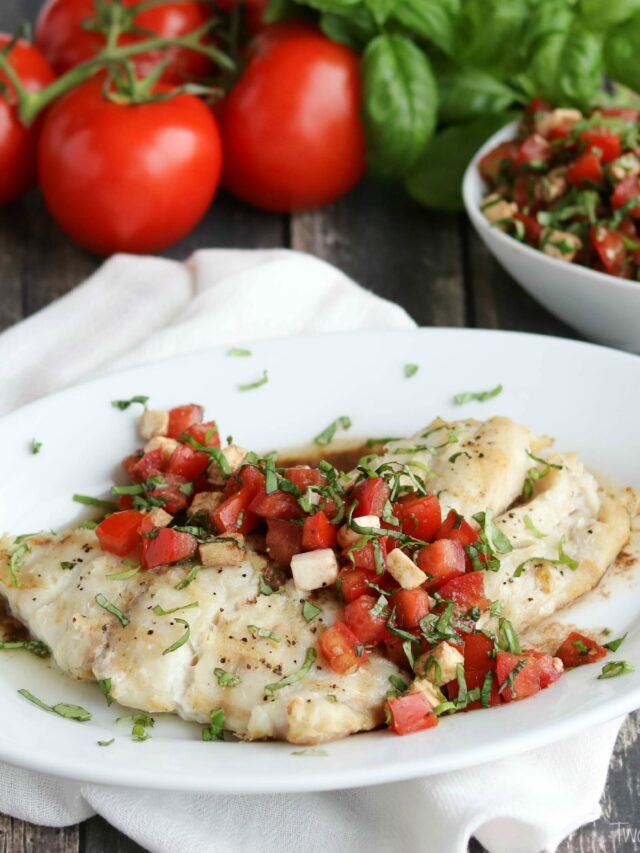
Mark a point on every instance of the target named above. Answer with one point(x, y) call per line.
point(318, 532)
point(577, 650)
point(475, 678)
point(205, 433)
point(187, 462)
point(498, 163)
point(532, 228)
point(420, 517)
point(479, 652)
point(167, 546)
point(371, 496)
point(411, 712)
point(536, 671)
point(183, 417)
point(625, 113)
point(522, 191)
point(610, 248)
point(353, 582)
point(410, 606)
point(369, 628)
point(148, 465)
point(172, 493)
point(601, 142)
point(302, 477)
point(234, 515)
point(120, 533)
point(365, 557)
point(534, 151)
point(456, 528)
point(538, 105)
point(276, 505)
point(467, 591)
point(625, 192)
point(339, 646)
point(443, 560)
point(284, 540)
point(585, 169)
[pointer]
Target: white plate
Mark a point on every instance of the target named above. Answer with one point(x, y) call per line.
point(584, 395)
point(603, 307)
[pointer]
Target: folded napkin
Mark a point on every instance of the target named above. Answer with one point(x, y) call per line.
point(135, 310)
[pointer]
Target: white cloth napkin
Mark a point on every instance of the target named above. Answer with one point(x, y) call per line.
point(135, 310)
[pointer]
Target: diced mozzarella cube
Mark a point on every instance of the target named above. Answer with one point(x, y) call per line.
point(404, 570)
point(159, 517)
point(562, 245)
point(224, 553)
point(429, 690)
point(314, 569)
point(166, 445)
point(153, 422)
point(348, 537)
point(235, 456)
point(496, 209)
point(564, 118)
point(204, 503)
point(439, 665)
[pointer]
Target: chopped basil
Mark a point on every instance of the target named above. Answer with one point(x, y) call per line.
point(265, 589)
point(480, 396)
point(193, 574)
point(181, 640)
point(510, 680)
point(507, 637)
point(380, 607)
point(123, 576)
point(141, 722)
point(250, 386)
point(105, 687)
point(563, 560)
point(160, 612)
point(62, 709)
point(582, 649)
point(216, 729)
point(23, 538)
point(398, 683)
point(216, 454)
point(496, 608)
point(311, 751)
point(36, 447)
point(445, 708)
point(496, 540)
point(66, 565)
point(309, 660)
point(226, 679)
point(616, 668)
point(410, 370)
point(309, 611)
point(532, 528)
point(407, 648)
point(88, 524)
point(264, 633)
point(485, 690)
point(16, 559)
point(111, 608)
point(124, 404)
point(465, 696)
point(332, 697)
point(36, 647)
point(239, 352)
point(534, 474)
point(614, 645)
point(106, 742)
point(359, 650)
point(326, 436)
point(454, 456)
point(86, 500)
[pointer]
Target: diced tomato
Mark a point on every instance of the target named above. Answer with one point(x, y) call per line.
point(585, 169)
point(284, 540)
point(410, 605)
point(610, 248)
point(276, 505)
point(339, 646)
point(577, 650)
point(456, 528)
point(353, 582)
point(205, 433)
point(538, 105)
point(303, 477)
point(475, 678)
point(129, 462)
point(522, 191)
point(625, 113)
point(234, 515)
point(148, 465)
point(171, 491)
point(125, 501)
point(167, 546)
point(534, 151)
point(625, 192)
point(601, 142)
point(371, 496)
point(497, 165)
point(532, 228)
point(183, 417)
point(318, 532)
point(479, 652)
point(467, 591)
point(187, 462)
point(394, 650)
point(411, 712)
point(443, 560)
point(420, 517)
point(368, 628)
point(538, 672)
point(120, 533)
point(365, 557)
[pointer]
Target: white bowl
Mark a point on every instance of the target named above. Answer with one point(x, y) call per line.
point(602, 307)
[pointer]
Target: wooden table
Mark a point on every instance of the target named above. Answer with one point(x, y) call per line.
point(431, 264)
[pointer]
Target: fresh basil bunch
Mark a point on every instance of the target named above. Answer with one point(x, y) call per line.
point(441, 75)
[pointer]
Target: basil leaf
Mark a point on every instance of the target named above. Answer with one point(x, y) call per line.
point(250, 386)
point(111, 608)
point(616, 668)
point(15, 561)
point(507, 637)
point(380, 9)
point(124, 404)
point(191, 576)
point(400, 103)
point(309, 611)
point(36, 447)
point(106, 742)
point(62, 709)
point(141, 722)
point(567, 67)
point(87, 500)
point(312, 751)
point(105, 687)
point(598, 14)
point(226, 679)
point(614, 645)
point(496, 539)
point(309, 660)
point(410, 370)
point(159, 611)
point(181, 640)
point(263, 633)
point(239, 352)
point(470, 93)
point(123, 576)
point(532, 528)
point(480, 396)
point(354, 29)
point(431, 19)
point(490, 34)
point(36, 647)
point(621, 53)
point(216, 730)
point(326, 436)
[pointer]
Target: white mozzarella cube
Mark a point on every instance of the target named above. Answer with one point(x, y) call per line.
point(314, 569)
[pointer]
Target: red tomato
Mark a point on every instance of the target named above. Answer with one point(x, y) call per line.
point(538, 672)
point(498, 164)
point(610, 248)
point(19, 144)
point(318, 532)
point(467, 591)
point(234, 515)
point(338, 645)
point(411, 712)
point(170, 491)
point(625, 192)
point(538, 105)
point(456, 528)
point(522, 187)
point(291, 127)
point(187, 462)
point(585, 169)
point(276, 505)
point(479, 652)
point(420, 517)
point(303, 477)
point(65, 42)
point(370, 496)
point(151, 170)
point(120, 533)
point(365, 557)
point(353, 582)
point(183, 417)
point(410, 605)
point(148, 465)
point(532, 228)
point(206, 433)
point(284, 540)
point(533, 151)
point(577, 650)
point(625, 113)
point(602, 142)
point(369, 629)
point(475, 678)
point(168, 546)
point(443, 560)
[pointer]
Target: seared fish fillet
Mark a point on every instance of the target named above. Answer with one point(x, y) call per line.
point(88, 642)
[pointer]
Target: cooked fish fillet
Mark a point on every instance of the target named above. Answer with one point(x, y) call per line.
point(473, 464)
point(59, 607)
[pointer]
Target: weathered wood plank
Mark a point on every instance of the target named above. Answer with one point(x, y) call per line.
point(19, 837)
point(101, 837)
